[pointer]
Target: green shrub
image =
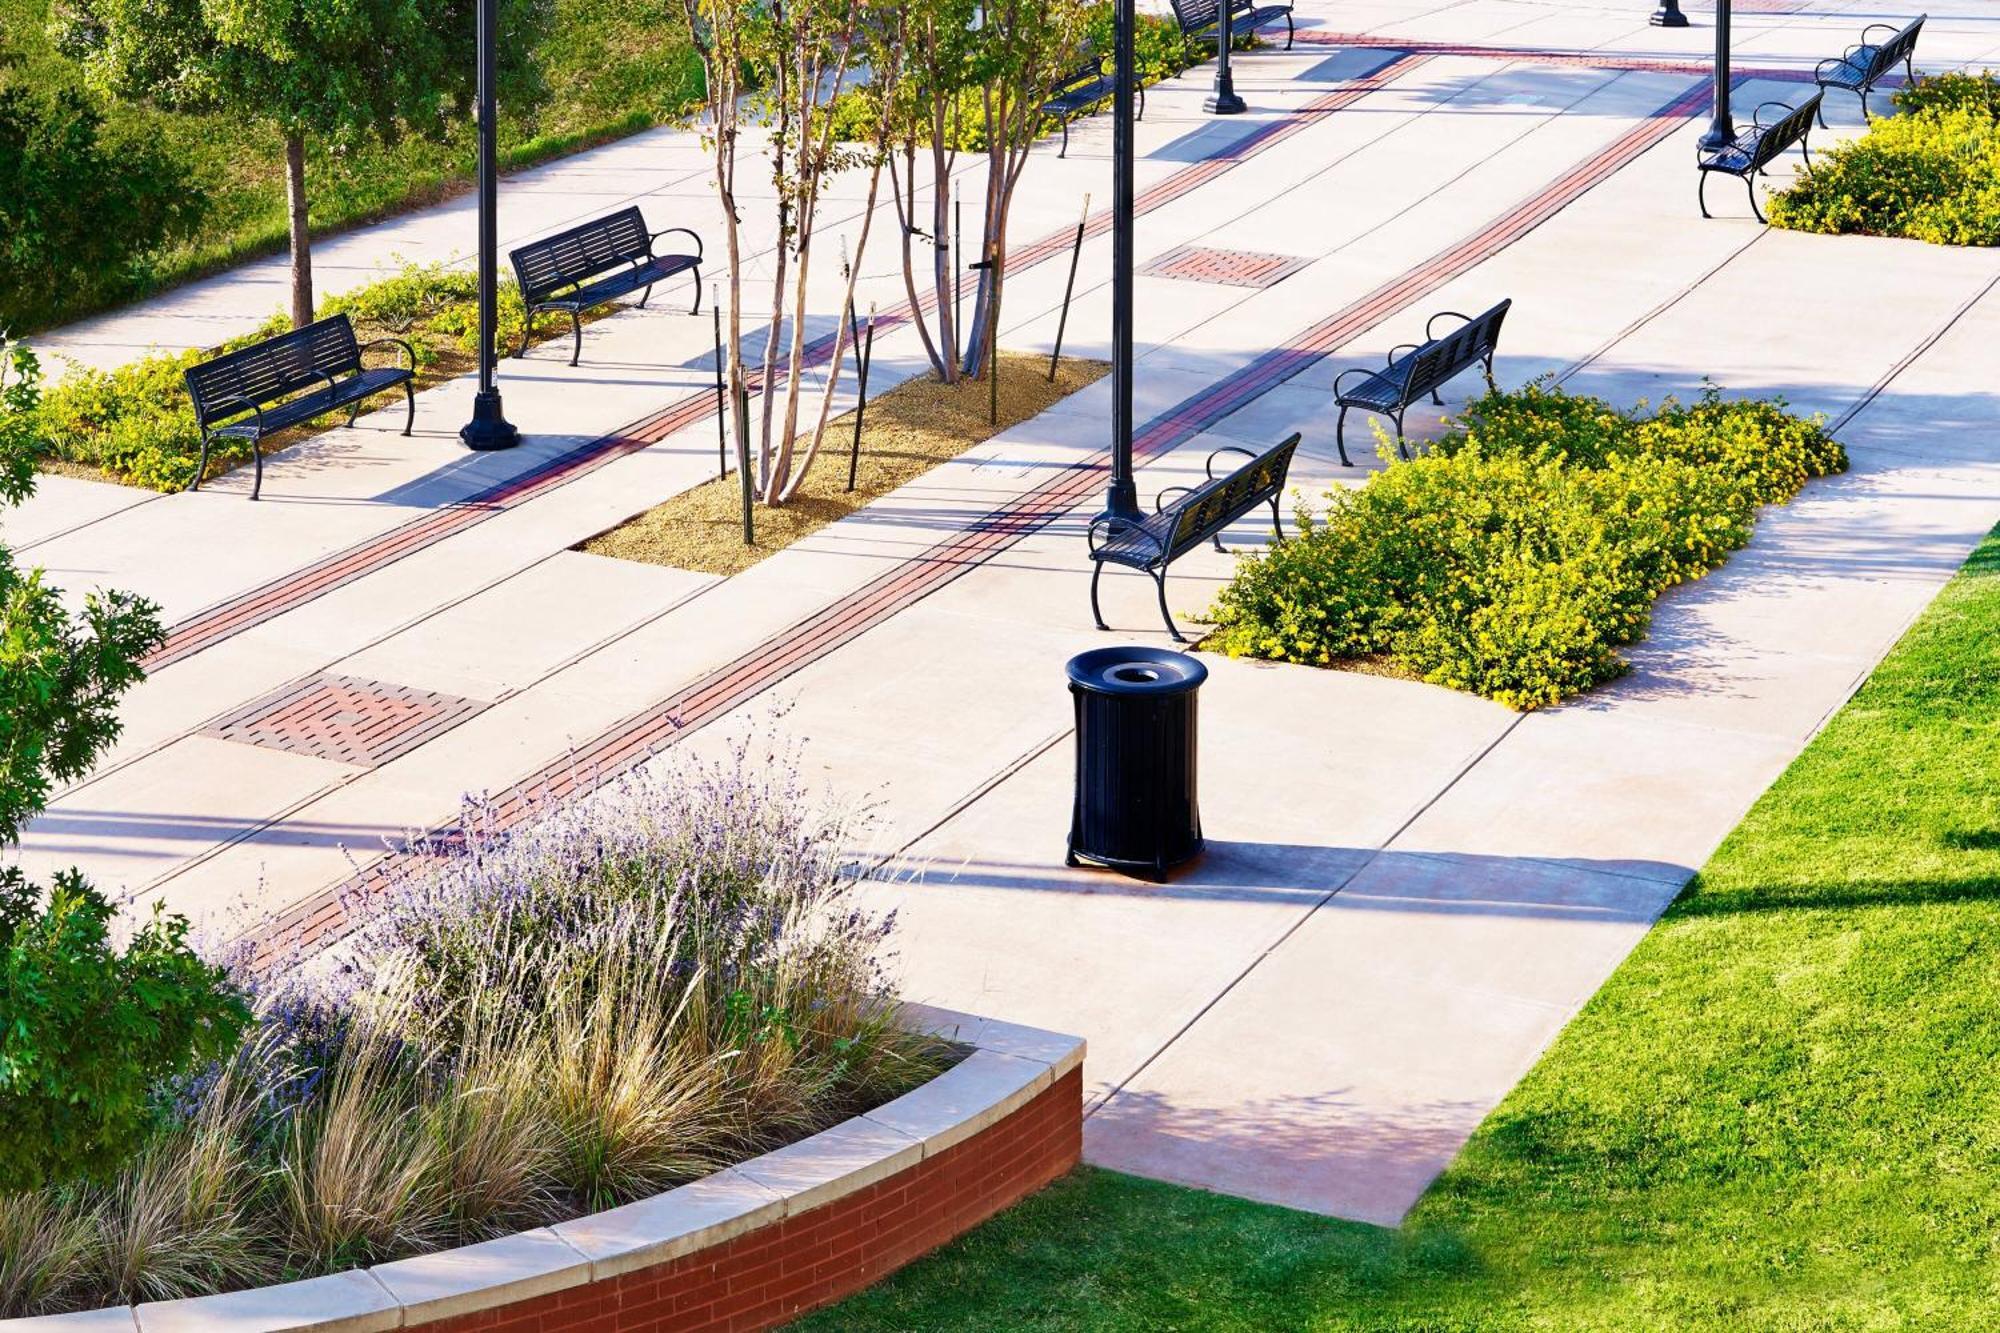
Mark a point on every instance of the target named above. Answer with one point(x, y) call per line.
point(89, 1031)
point(1929, 174)
point(80, 208)
point(1516, 557)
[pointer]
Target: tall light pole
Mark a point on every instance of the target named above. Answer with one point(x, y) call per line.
point(489, 427)
point(1669, 15)
point(1722, 129)
point(1121, 499)
point(1223, 101)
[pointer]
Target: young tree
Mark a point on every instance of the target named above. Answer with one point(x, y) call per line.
point(89, 1028)
point(783, 64)
point(331, 71)
point(978, 73)
point(60, 673)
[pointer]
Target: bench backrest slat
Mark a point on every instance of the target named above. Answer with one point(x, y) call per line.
point(1194, 15)
point(1441, 358)
point(1896, 50)
point(581, 253)
point(1782, 134)
point(1086, 69)
point(1212, 508)
point(265, 372)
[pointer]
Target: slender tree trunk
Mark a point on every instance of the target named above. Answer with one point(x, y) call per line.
point(295, 194)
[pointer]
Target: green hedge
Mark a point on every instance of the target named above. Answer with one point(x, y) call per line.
point(1931, 173)
point(1517, 557)
point(136, 425)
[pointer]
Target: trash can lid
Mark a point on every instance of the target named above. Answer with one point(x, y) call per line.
point(1134, 669)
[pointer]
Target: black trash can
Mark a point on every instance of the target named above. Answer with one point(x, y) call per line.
point(1135, 806)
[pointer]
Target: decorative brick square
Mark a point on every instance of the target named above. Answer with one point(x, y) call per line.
point(345, 719)
point(1231, 268)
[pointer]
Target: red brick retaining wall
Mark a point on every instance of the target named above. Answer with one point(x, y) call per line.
point(799, 1263)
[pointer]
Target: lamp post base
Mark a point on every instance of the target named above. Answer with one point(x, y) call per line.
point(1669, 18)
point(1224, 102)
point(1121, 501)
point(1721, 134)
point(488, 429)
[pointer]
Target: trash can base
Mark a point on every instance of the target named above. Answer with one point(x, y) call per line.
point(1156, 871)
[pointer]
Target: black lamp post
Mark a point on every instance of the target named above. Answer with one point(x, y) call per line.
point(1121, 500)
point(1722, 129)
point(1223, 101)
point(1669, 15)
point(489, 427)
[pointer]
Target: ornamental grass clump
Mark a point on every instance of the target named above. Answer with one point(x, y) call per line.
point(541, 1019)
point(1520, 554)
point(1931, 173)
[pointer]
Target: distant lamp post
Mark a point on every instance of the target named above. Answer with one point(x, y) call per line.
point(1223, 101)
point(489, 427)
point(1121, 500)
point(1669, 15)
point(1722, 129)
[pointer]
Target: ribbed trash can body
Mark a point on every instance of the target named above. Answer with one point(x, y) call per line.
point(1136, 754)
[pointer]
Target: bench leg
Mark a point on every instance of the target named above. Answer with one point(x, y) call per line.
point(1864, 105)
point(257, 468)
point(200, 467)
point(695, 273)
point(1276, 523)
point(1819, 112)
point(353, 414)
point(647, 296)
point(576, 333)
point(1750, 184)
point(527, 331)
point(1402, 445)
point(1063, 151)
point(1291, 30)
point(1435, 400)
point(1340, 437)
point(1491, 387)
point(409, 398)
point(1701, 195)
point(1141, 114)
point(1160, 581)
point(1095, 614)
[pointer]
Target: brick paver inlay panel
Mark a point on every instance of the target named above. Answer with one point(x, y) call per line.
point(1231, 268)
point(345, 719)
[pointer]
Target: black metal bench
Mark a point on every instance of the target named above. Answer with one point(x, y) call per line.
point(1199, 514)
point(596, 262)
point(1081, 86)
point(1197, 17)
point(1416, 369)
point(1867, 63)
point(284, 381)
point(1754, 149)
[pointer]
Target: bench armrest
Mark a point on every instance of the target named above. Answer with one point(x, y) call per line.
point(1209, 466)
point(1430, 325)
point(408, 351)
point(1106, 520)
point(668, 231)
point(1351, 370)
point(1160, 500)
point(1757, 116)
point(1831, 62)
point(1889, 28)
point(210, 419)
point(1390, 358)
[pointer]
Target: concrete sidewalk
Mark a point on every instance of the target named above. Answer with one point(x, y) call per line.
point(1408, 891)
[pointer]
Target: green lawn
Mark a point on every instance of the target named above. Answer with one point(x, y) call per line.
point(1783, 1111)
point(612, 69)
